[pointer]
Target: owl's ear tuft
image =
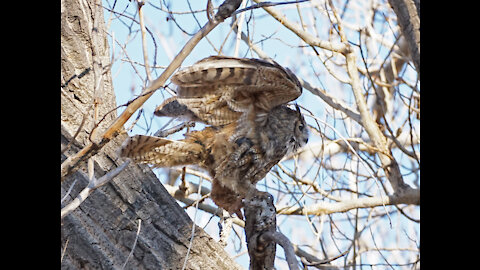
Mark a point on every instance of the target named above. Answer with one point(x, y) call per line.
point(297, 108)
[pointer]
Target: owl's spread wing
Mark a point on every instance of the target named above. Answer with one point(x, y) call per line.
point(220, 89)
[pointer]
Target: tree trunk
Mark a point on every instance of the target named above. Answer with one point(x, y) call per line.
point(101, 232)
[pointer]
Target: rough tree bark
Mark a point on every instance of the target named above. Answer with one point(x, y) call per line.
point(408, 15)
point(101, 232)
point(260, 217)
point(262, 235)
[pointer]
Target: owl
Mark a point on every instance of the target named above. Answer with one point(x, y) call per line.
point(249, 127)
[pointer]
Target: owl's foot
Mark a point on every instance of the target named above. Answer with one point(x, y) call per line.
point(237, 209)
point(227, 199)
point(234, 207)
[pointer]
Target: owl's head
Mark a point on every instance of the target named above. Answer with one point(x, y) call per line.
point(285, 131)
point(293, 128)
point(300, 131)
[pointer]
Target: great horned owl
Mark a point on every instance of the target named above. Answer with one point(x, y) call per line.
point(249, 127)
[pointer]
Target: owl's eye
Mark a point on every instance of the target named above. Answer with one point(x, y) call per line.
point(301, 127)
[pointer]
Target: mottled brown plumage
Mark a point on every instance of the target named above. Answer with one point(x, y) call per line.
point(250, 129)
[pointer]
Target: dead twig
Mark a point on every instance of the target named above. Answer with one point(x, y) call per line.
point(92, 185)
point(134, 243)
point(75, 135)
point(144, 41)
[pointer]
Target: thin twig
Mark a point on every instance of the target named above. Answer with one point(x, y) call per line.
point(69, 190)
point(92, 185)
point(366, 165)
point(144, 41)
point(148, 30)
point(84, 116)
point(239, 31)
point(134, 243)
point(267, 4)
point(164, 133)
point(193, 226)
point(305, 36)
point(64, 249)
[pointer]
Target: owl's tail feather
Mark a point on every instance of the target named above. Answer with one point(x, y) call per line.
point(161, 152)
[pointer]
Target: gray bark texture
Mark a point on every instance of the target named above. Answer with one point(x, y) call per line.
point(408, 16)
point(100, 233)
point(260, 217)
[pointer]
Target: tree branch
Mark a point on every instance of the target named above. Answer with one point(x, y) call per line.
point(92, 185)
point(334, 103)
point(260, 218)
point(408, 16)
point(411, 196)
point(144, 41)
point(305, 36)
point(283, 241)
point(390, 166)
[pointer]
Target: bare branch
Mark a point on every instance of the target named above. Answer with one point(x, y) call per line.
point(322, 208)
point(140, 4)
point(181, 196)
point(92, 185)
point(334, 103)
point(408, 14)
point(305, 36)
point(267, 4)
point(389, 163)
point(283, 241)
